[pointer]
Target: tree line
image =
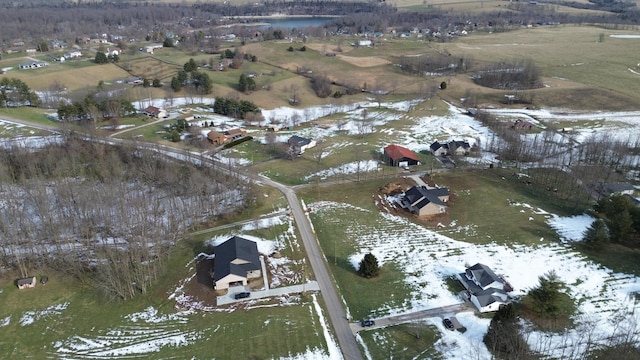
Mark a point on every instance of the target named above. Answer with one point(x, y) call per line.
point(106, 215)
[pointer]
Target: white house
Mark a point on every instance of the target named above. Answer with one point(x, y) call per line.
point(365, 43)
point(486, 290)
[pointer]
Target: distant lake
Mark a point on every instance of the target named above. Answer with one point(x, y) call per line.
point(294, 22)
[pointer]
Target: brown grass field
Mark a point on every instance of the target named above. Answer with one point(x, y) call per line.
point(582, 67)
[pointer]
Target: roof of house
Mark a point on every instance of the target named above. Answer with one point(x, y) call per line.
point(298, 140)
point(420, 196)
point(214, 135)
point(616, 187)
point(152, 110)
point(490, 296)
point(460, 143)
point(236, 131)
point(235, 248)
point(26, 281)
point(483, 274)
point(437, 145)
point(397, 152)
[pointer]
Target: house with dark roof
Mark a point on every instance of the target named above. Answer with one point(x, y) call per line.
point(396, 155)
point(613, 188)
point(438, 149)
point(236, 262)
point(299, 144)
point(424, 201)
point(486, 290)
point(26, 283)
point(453, 147)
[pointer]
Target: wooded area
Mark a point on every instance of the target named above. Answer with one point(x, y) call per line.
point(105, 214)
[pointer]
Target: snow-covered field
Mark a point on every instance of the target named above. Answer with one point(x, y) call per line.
point(428, 258)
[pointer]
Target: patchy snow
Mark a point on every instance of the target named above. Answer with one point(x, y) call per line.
point(6, 321)
point(334, 350)
point(428, 258)
point(29, 317)
point(150, 315)
point(571, 228)
point(264, 246)
point(347, 169)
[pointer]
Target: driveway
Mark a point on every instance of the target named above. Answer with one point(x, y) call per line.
point(444, 311)
point(259, 294)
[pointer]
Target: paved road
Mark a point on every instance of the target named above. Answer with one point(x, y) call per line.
point(335, 308)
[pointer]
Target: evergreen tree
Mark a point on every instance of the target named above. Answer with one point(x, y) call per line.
point(190, 66)
point(597, 235)
point(242, 83)
point(101, 58)
point(176, 84)
point(369, 266)
point(504, 335)
point(545, 298)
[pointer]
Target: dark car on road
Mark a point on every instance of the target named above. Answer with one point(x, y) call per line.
point(448, 324)
point(242, 295)
point(367, 323)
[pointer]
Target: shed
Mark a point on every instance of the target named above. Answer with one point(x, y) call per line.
point(26, 283)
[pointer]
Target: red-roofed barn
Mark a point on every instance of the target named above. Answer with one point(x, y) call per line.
point(396, 155)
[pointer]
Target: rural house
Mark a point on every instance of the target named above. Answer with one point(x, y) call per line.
point(26, 283)
point(423, 201)
point(298, 144)
point(453, 147)
point(216, 138)
point(235, 134)
point(32, 65)
point(486, 290)
point(154, 112)
point(236, 261)
point(396, 155)
point(438, 149)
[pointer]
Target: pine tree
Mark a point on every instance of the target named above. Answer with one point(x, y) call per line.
point(369, 266)
point(597, 235)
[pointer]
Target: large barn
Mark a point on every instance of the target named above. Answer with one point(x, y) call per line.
point(396, 155)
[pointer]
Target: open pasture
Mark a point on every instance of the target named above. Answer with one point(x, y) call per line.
point(571, 54)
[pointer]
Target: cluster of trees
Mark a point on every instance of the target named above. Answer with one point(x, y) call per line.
point(199, 81)
point(102, 58)
point(438, 64)
point(106, 215)
point(321, 85)
point(235, 108)
point(618, 222)
point(15, 92)
point(95, 108)
point(518, 75)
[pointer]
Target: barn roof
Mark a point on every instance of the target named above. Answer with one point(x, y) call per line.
point(397, 152)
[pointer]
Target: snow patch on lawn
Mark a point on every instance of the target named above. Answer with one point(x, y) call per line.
point(571, 228)
point(29, 317)
point(429, 258)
